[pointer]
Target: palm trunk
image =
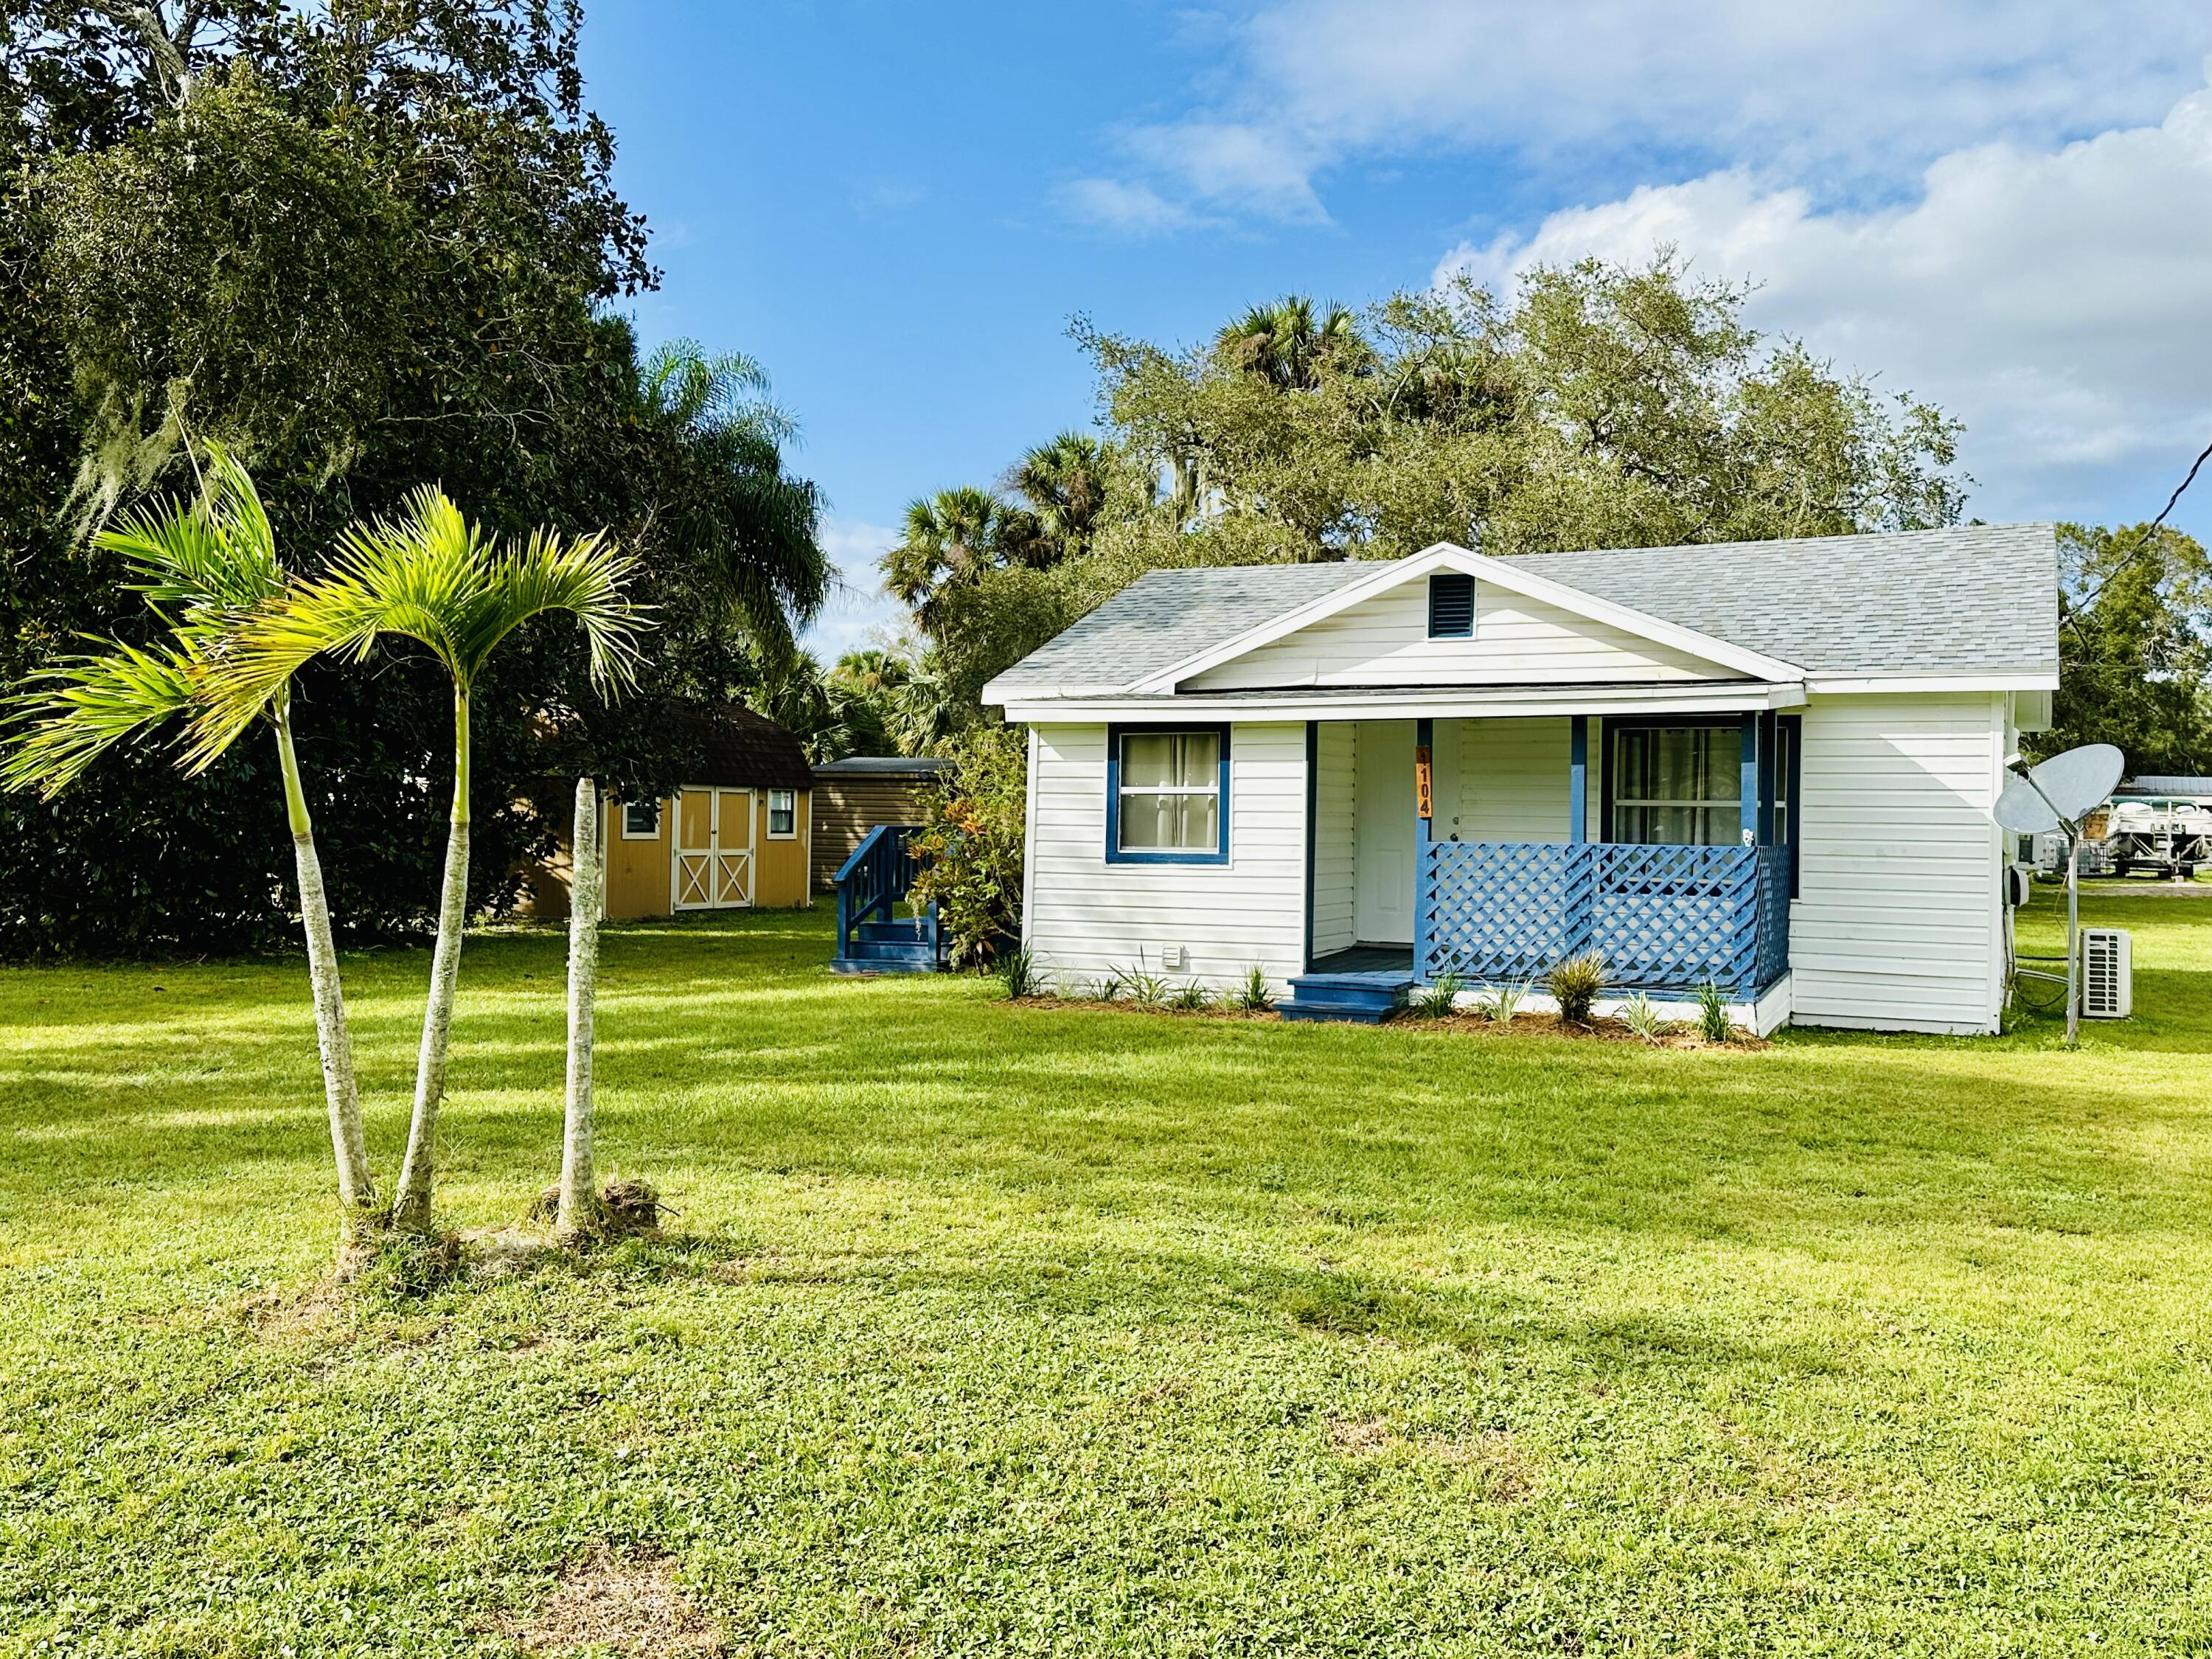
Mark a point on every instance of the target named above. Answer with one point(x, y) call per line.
point(333, 1037)
point(410, 1207)
point(580, 1199)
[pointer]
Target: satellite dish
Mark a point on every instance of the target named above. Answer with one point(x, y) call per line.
point(2023, 811)
point(2062, 788)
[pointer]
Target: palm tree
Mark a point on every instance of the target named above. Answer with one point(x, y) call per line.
point(749, 528)
point(1286, 343)
point(581, 1208)
point(433, 577)
point(1065, 482)
point(215, 562)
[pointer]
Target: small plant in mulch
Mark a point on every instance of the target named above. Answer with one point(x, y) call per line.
point(1253, 996)
point(1712, 1013)
point(1439, 997)
point(1018, 972)
point(1641, 1019)
point(1576, 984)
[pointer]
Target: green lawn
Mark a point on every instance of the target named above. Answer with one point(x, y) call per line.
point(999, 1329)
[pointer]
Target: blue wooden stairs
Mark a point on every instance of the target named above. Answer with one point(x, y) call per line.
point(872, 937)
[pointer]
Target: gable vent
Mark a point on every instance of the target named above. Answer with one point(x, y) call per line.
point(1451, 606)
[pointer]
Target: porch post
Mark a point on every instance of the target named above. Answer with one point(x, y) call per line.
point(1578, 778)
point(1747, 782)
point(1425, 734)
point(1770, 747)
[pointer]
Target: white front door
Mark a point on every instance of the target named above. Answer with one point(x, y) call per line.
point(1383, 841)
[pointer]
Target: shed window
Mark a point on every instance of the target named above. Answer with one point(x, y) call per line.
point(782, 814)
point(1167, 796)
point(1451, 606)
point(641, 820)
point(1678, 785)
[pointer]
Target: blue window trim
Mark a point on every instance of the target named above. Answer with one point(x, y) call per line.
point(1610, 724)
point(1176, 856)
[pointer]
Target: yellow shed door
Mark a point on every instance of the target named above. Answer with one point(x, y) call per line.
point(713, 855)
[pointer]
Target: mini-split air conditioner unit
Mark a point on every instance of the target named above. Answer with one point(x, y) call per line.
point(2107, 973)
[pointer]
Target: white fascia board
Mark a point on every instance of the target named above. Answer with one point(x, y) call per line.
point(2031, 679)
point(1440, 703)
point(1445, 556)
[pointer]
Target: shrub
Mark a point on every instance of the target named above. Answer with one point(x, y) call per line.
point(970, 845)
point(1439, 997)
point(1253, 996)
point(1641, 1019)
point(1499, 1006)
point(1575, 985)
point(1712, 1013)
point(1018, 972)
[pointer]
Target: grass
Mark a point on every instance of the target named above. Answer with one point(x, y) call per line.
point(998, 1328)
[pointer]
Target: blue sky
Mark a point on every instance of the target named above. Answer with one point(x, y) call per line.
point(897, 208)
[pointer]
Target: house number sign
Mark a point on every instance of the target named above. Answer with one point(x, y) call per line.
point(1423, 782)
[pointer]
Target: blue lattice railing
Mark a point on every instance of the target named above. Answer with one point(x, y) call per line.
point(1664, 917)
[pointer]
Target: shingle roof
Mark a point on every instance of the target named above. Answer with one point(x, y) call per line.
point(740, 749)
point(1974, 598)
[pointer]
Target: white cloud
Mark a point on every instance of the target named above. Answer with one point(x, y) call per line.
point(857, 608)
point(2059, 300)
point(1134, 210)
point(1851, 96)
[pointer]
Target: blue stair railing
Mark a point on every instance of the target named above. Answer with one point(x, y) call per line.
point(871, 884)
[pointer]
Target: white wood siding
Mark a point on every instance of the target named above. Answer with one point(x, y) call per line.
point(1385, 641)
point(1335, 821)
point(1513, 780)
point(1896, 926)
point(1085, 917)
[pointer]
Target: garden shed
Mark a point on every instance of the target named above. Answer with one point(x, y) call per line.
point(853, 795)
point(737, 837)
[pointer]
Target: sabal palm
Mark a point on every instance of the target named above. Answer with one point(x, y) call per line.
point(1286, 342)
point(433, 577)
point(204, 567)
point(1065, 482)
point(947, 535)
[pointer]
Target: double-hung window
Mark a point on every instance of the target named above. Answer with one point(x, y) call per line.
point(1168, 795)
point(782, 815)
point(1678, 785)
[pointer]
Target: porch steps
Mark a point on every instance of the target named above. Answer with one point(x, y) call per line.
point(1364, 999)
point(902, 945)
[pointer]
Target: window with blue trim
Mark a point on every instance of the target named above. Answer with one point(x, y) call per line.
point(1169, 794)
point(1451, 606)
point(1679, 785)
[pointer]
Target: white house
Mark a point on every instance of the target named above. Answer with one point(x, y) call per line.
point(1769, 765)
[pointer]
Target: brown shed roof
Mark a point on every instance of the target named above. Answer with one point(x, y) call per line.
point(743, 749)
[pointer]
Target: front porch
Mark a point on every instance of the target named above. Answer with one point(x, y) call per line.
point(1400, 894)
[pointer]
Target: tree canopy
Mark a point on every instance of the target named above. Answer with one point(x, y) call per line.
point(1599, 405)
point(368, 247)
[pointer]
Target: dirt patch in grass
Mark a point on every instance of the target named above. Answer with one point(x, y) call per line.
point(630, 1605)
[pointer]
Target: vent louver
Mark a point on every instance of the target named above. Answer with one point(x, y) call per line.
point(1451, 606)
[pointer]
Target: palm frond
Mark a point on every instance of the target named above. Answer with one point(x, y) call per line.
point(215, 554)
point(80, 709)
point(433, 577)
